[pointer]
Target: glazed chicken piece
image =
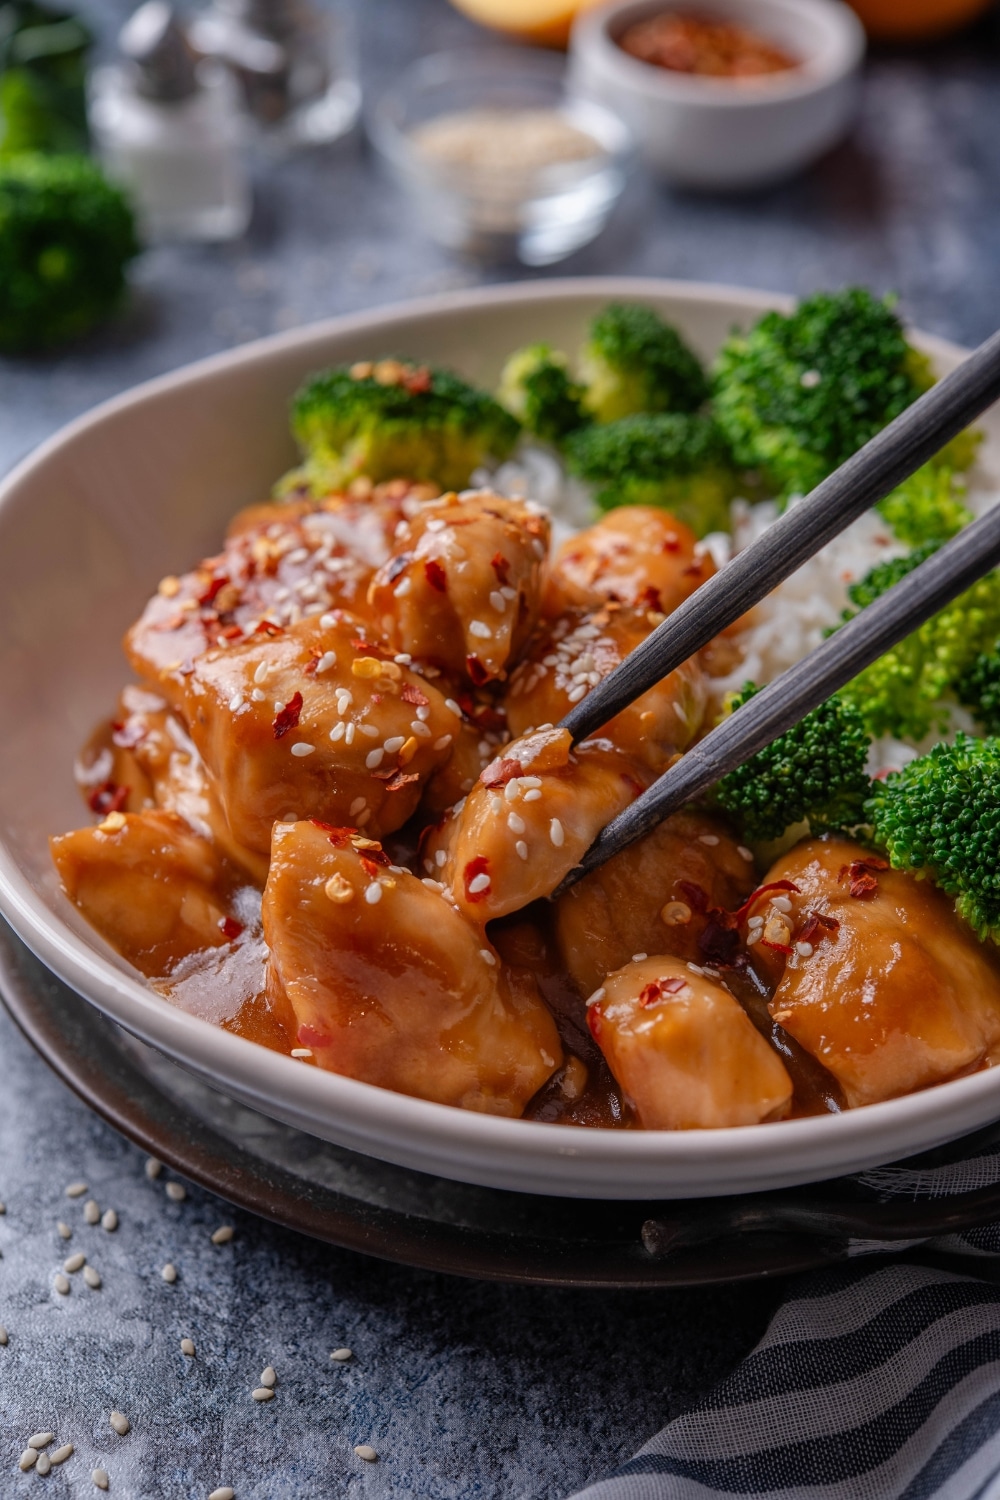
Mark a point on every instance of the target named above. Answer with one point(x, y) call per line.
point(683, 1051)
point(314, 722)
point(155, 889)
point(571, 655)
point(654, 897)
point(463, 590)
point(534, 811)
point(389, 985)
point(639, 555)
point(876, 975)
point(281, 562)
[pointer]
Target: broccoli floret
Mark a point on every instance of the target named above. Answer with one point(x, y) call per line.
point(678, 462)
point(927, 507)
point(66, 236)
point(633, 362)
point(798, 394)
point(536, 386)
point(979, 689)
point(901, 693)
point(940, 817)
point(813, 772)
point(391, 419)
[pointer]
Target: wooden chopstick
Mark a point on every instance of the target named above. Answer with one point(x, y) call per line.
point(803, 687)
point(876, 469)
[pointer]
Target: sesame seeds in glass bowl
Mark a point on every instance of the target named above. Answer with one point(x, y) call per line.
point(501, 164)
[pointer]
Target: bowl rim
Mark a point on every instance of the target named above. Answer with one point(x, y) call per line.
point(477, 1148)
point(592, 39)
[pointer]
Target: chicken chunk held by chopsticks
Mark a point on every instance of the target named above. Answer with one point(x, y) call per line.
point(390, 985)
point(314, 722)
point(653, 897)
point(638, 555)
point(683, 1051)
point(876, 975)
point(571, 655)
point(464, 587)
point(534, 811)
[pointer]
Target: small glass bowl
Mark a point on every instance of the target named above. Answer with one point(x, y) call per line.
point(536, 214)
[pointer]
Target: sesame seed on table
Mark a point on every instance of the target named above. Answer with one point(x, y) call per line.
point(456, 1388)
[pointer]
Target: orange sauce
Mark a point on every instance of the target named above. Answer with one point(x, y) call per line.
point(708, 48)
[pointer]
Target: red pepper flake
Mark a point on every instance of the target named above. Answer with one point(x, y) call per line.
point(311, 1036)
point(395, 780)
point(478, 866)
point(310, 667)
point(417, 382)
point(777, 947)
point(817, 927)
point(762, 890)
point(288, 717)
point(672, 543)
point(501, 567)
point(719, 941)
point(650, 993)
point(500, 771)
point(657, 988)
point(232, 632)
point(269, 628)
point(412, 694)
point(371, 866)
point(129, 734)
point(862, 874)
point(436, 576)
point(340, 838)
point(650, 599)
point(697, 898)
point(230, 928)
point(216, 585)
point(108, 797)
point(480, 676)
point(372, 648)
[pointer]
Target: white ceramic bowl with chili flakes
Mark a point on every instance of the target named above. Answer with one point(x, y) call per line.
point(721, 133)
point(144, 485)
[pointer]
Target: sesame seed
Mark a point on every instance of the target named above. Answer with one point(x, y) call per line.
point(443, 742)
point(4, 1337)
point(301, 749)
point(355, 807)
point(479, 883)
point(521, 849)
point(368, 730)
point(44, 1464)
point(262, 1393)
point(496, 805)
point(64, 1230)
point(744, 853)
point(337, 732)
point(374, 758)
point(557, 833)
point(403, 587)
point(223, 1234)
point(224, 1492)
point(450, 703)
point(301, 1052)
point(637, 958)
point(710, 839)
point(481, 631)
point(393, 743)
point(488, 957)
point(373, 893)
point(258, 695)
point(498, 601)
point(109, 1220)
point(120, 1422)
point(327, 622)
point(781, 903)
point(260, 675)
point(169, 1273)
point(61, 1284)
point(235, 703)
point(753, 922)
point(804, 950)
point(74, 1262)
point(513, 789)
point(420, 729)
point(40, 1440)
point(440, 858)
point(27, 1460)
point(344, 700)
point(187, 1347)
point(279, 704)
point(91, 1212)
point(533, 795)
point(326, 661)
point(76, 1190)
point(176, 1192)
point(367, 1453)
point(340, 1356)
point(349, 734)
point(61, 1454)
point(268, 1376)
point(100, 1478)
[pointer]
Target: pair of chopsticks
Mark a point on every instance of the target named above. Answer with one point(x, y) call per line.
point(876, 469)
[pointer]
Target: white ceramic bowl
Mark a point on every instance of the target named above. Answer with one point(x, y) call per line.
point(716, 133)
point(143, 486)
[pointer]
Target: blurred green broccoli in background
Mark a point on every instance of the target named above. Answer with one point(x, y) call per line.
point(634, 362)
point(927, 507)
point(536, 386)
point(43, 56)
point(678, 462)
point(66, 237)
point(388, 419)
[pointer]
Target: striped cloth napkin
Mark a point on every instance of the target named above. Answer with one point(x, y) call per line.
point(874, 1381)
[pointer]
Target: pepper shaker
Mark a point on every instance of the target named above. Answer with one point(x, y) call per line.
point(168, 126)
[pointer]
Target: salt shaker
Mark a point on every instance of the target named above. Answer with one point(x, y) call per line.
point(168, 126)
